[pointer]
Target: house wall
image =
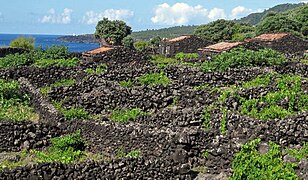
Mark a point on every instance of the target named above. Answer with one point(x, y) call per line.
point(188, 45)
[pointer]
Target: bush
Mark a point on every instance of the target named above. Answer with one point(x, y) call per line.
point(141, 45)
point(72, 113)
point(128, 42)
point(65, 149)
point(182, 56)
point(100, 69)
point(241, 57)
point(154, 79)
point(13, 104)
point(23, 42)
point(15, 60)
point(250, 164)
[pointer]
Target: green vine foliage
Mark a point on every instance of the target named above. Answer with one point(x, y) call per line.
point(250, 164)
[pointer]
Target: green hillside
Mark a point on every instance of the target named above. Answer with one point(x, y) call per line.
point(255, 18)
point(164, 33)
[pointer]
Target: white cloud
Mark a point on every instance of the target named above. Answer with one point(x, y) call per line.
point(92, 17)
point(306, 2)
point(217, 13)
point(182, 13)
point(240, 11)
point(178, 14)
point(55, 18)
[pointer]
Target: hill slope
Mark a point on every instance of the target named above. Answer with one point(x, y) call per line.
point(255, 18)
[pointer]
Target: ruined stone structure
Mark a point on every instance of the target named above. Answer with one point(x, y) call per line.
point(186, 44)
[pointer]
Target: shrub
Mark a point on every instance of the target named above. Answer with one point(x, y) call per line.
point(240, 57)
point(23, 42)
point(100, 69)
point(13, 104)
point(182, 56)
point(250, 164)
point(65, 149)
point(15, 60)
point(126, 115)
point(154, 79)
point(141, 45)
point(56, 62)
point(299, 154)
point(72, 113)
point(62, 82)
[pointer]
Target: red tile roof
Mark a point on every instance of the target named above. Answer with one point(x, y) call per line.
point(220, 47)
point(269, 37)
point(178, 39)
point(99, 50)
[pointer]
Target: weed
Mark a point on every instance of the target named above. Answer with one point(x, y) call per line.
point(205, 154)
point(134, 154)
point(100, 69)
point(223, 121)
point(299, 154)
point(126, 115)
point(72, 113)
point(206, 118)
point(201, 87)
point(127, 84)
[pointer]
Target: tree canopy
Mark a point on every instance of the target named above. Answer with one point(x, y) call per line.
point(294, 21)
point(112, 31)
point(221, 30)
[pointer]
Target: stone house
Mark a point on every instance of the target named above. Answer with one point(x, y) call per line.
point(89, 55)
point(208, 51)
point(186, 44)
point(282, 42)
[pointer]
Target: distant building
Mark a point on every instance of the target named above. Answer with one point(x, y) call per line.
point(89, 55)
point(186, 44)
point(282, 42)
point(208, 51)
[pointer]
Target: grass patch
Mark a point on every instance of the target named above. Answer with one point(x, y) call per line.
point(100, 69)
point(56, 62)
point(260, 81)
point(154, 79)
point(62, 82)
point(65, 149)
point(14, 105)
point(127, 84)
point(182, 56)
point(250, 164)
point(72, 113)
point(126, 115)
point(163, 61)
point(132, 154)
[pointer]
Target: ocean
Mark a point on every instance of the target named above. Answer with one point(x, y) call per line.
point(49, 40)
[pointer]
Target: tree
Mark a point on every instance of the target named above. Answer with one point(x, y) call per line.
point(112, 31)
point(221, 30)
point(274, 22)
point(128, 41)
point(155, 41)
point(23, 42)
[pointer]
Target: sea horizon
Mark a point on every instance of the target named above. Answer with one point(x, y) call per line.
point(47, 40)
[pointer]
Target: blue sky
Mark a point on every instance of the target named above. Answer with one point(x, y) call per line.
point(81, 16)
